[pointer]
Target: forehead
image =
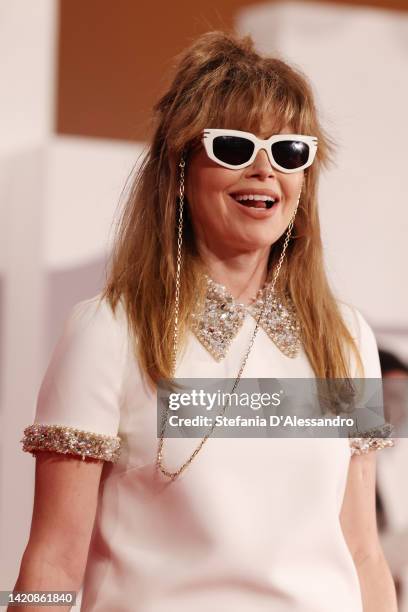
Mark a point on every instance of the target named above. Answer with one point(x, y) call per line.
point(262, 126)
point(267, 131)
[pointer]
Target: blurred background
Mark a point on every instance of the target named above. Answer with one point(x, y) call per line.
point(79, 78)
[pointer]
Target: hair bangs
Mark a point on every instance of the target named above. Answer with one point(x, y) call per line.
point(262, 106)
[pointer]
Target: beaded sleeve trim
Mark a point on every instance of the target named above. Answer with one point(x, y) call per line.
point(69, 440)
point(370, 440)
point(217, 324)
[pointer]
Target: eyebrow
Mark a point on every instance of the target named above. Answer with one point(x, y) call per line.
point(286, 131)
point(274, 133)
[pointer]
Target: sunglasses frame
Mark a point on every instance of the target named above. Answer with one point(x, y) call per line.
point(209, 134)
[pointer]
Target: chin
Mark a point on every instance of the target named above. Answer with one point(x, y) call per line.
point(256, 242)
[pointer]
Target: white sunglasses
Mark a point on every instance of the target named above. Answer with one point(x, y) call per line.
point(236, 149)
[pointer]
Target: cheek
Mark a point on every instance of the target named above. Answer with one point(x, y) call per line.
point(215, 180)
point(207, 187)
point(291, 185)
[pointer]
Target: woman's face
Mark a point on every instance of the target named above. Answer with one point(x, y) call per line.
point(227, 227)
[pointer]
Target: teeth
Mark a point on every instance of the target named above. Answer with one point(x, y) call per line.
point(255, 197)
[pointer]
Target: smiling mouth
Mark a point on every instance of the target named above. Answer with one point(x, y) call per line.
point(265, 204)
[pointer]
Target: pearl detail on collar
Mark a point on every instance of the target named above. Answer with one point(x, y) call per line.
point(221, 318)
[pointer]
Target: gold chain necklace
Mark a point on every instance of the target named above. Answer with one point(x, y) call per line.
point(159, 457)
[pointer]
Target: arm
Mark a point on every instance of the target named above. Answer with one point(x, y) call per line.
point(66, 494)
point(74, 432)
point(359, 524)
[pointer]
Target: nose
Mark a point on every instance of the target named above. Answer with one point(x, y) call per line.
point(261, 166)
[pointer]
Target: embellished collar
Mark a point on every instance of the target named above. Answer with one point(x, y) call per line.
point(221, 318)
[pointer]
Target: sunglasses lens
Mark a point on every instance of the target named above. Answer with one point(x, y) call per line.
point(290, 154)
point(232, 149)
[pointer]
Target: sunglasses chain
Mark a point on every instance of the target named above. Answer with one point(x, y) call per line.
point(159, 459)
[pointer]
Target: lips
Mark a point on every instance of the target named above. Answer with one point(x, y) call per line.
point(273, 197)
point(256, 212)
point(255, 203)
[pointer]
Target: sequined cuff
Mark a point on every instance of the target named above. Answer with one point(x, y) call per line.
point(370, 440)
point(69, 440)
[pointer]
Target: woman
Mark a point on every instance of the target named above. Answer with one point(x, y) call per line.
point(217, 269)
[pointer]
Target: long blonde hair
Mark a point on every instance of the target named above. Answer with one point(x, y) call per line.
point(220, 81)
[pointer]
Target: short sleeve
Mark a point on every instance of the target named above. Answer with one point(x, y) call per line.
point(78, 404)
point(378, 436)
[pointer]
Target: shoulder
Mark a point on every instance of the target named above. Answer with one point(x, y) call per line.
point(355, 320)
point(93, 323)
point(357, 324)
point(91, 349)
point(96, 312)
point(364, 337)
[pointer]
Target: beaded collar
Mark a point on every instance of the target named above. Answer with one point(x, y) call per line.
point(222, 317)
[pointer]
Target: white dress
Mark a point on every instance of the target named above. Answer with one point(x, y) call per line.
point(252, 525)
